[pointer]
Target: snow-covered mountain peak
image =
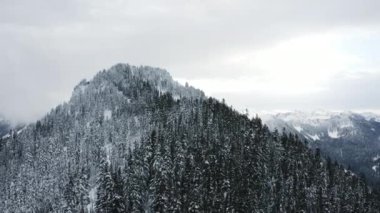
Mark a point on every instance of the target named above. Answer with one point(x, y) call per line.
point(145, 72)
point(319, 124)
point(121, 76)
point(303, 116)
point(318, 117)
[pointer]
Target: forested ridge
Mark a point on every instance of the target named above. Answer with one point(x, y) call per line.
point(350, 138)
point(133, 140)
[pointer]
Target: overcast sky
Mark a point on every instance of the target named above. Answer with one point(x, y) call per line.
point(261, 55)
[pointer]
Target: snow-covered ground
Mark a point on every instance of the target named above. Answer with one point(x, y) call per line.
point(377, 157)
point(333, 133)
point(313, 137)
point(92, 196)
point(107, 114)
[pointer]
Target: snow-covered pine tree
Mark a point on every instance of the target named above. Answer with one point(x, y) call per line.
point(106, 190)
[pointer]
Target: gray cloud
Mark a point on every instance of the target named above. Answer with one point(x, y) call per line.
point(48, 46)
point(358, 93)
point(343, 94)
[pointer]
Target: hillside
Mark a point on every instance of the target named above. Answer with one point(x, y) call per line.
point(350, 138)
point(133, 140)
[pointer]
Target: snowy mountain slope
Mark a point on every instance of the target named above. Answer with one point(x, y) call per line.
point(106, 115)
point(133, 140)
point(371, 116)
point(351, 138)
point(5, 127)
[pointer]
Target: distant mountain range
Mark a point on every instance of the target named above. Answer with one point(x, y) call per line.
point(352, 139)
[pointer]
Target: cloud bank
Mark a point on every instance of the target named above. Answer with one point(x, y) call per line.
point(261, 55)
